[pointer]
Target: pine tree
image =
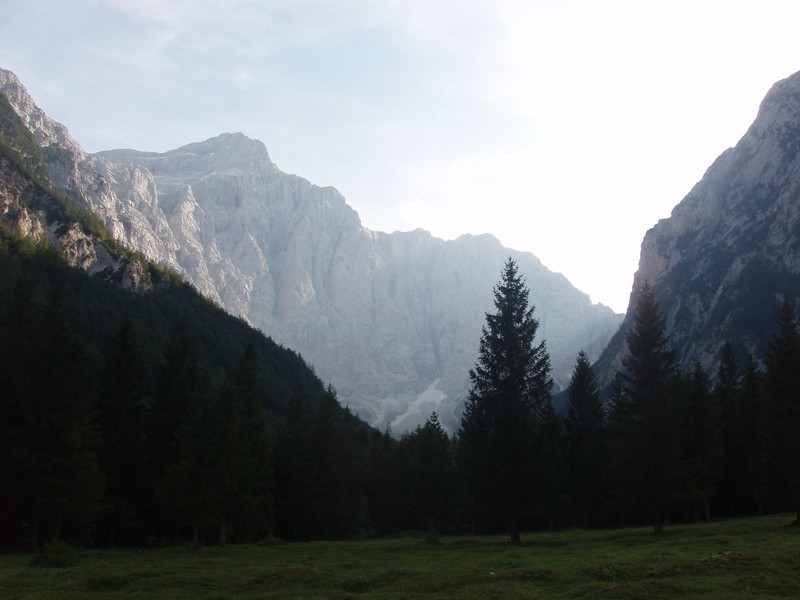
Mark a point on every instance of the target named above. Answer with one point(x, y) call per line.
point(124, 414)
point(182, 396)
point(294, 469)
point(654, 471)
point(586, 439)
point(55, 477)
point(185, 491)
point(242, 490)
point(704, 444)
point(340, 467)
point(727, 395)
point(750, 419)
point(432, 474)
point(620, 461)
point(510, 387)
point(386, 491)
point(782, 425)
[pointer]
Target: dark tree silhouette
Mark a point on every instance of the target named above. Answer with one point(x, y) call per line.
point(432, 474)
point(782, 414)
point(650, 447)
point(586, 441)
point(510, 391)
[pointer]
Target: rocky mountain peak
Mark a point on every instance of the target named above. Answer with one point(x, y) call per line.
point(46, 131)
point(227, 153)
point(393, 321)
point(731, 248)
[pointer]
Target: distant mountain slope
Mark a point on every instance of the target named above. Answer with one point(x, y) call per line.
point(721, 263)
point(45, 238)
point(392, 320)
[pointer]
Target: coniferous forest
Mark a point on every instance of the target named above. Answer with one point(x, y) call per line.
point(156, 418)
point(153, 417)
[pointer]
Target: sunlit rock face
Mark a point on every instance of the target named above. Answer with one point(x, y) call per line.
point(393, 321)
point(722, 262)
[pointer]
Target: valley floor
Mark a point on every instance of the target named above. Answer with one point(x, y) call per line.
point(736, 559)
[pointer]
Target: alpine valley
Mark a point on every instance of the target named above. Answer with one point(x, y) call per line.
point(392, 321)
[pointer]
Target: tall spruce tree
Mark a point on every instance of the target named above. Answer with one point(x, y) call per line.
point(653, 470)
point(782, 425)
point(510, 389)
point(586, 441)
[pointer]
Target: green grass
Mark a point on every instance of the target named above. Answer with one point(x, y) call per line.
point(744, 558)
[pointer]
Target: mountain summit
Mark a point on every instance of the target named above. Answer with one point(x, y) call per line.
point(391, 320)
point(721, 263)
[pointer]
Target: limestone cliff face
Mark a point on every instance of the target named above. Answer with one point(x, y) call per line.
point(30, 211)
point(720, 264)
point(391, 320)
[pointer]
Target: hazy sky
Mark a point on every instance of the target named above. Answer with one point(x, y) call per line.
point(565, 128)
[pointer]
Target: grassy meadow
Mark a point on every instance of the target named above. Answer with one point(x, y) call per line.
point(743, 558)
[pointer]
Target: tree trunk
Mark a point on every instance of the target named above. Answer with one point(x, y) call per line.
point(195, 536)
point(57, 532)
point(513, 530)
point(658, 521)
point(222, 528)
point(34, 539)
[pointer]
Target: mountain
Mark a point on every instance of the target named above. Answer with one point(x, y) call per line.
point(721, 263)
point(391, 320)
point(52, 243)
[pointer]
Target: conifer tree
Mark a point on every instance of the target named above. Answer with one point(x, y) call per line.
point(337, 471)
point(181, 399)
point(124, 413)
point(432, 474)
point(242, 490)
point(782, 414)
point(750, 424)
point(586, 439)
point(294, 468)
point(653, 470)
point(386, 491)
point(510, 388)
point(704, 445)
point(185, 491)
point(56, 476)
point(620, 461)
point(727, 395)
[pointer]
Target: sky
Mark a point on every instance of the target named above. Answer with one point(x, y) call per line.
point(566, 128)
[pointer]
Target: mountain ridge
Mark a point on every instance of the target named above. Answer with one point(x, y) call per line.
point(391, 320)
point(730, 250)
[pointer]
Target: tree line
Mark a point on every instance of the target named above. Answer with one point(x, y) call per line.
point(148, 420)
